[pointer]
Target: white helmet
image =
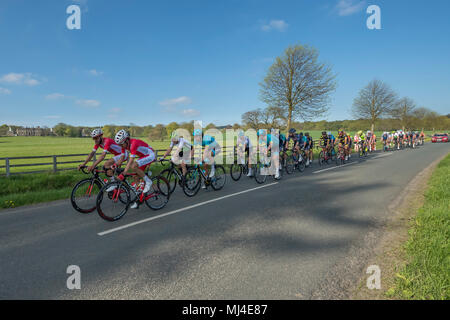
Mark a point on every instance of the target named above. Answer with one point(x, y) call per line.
point(96, 133)
point(121, 136)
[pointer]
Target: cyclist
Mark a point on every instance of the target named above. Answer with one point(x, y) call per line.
point(369, 140)
point(385, 139)
point(274, 156)
point(212, 148)
point(324, 142)
point(349, 139)
point(244, 146)
point(182, 145)
point(138, 149)
point(109, 146)
point(343, 142)
point(356, 142)
point(361, 140)
point(307, 147)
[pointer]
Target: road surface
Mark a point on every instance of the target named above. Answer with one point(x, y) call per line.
point(273, 241)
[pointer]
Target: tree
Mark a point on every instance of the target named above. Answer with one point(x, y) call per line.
point(402, 111)
point(158, 132)
point(171, 127)
point(274, 117)
point(374, 101)
point(252, 119)
point(298, 83)
point(60, 129)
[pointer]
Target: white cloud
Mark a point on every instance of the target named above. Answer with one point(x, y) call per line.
point(349, 7)
point(95, 73)
point(54, 96)
point(190, 112)
point(176, 101)
point(279, 25)
point(89, 103)
point(114, 113)
point(4, 91)
point(52, 117)
point(20, 78)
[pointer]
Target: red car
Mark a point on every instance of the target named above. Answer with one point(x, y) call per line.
point(440, 137)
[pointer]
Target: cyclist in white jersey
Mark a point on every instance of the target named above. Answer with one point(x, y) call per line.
point(182, 147)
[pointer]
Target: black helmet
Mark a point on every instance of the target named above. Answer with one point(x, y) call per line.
point(292, 130)
point(324, 133)
point(307, 134)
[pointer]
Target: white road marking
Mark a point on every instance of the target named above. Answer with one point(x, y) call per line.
point(344, 165)
point(182, 209)
point(383, 155)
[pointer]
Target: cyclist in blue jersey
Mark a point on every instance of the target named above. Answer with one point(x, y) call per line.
point(274, 157)
point(212, 148)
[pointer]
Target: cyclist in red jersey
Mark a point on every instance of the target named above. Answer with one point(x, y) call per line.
point(138, 149)
point(109, 146)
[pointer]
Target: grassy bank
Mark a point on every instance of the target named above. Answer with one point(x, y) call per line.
point(427, 271)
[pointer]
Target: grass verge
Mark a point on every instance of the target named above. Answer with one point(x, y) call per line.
point(426, 274)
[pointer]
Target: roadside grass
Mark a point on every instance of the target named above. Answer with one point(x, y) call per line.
point(427, 271)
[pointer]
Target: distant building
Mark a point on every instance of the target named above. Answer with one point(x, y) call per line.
point(29, 132)
point(10, 133)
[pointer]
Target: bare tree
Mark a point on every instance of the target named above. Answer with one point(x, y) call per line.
point(274, 117)
point(298, 83)
point(374, 101)
point(252, 118)
point(403, 111)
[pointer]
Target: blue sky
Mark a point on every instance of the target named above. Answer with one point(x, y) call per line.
point(149, 62)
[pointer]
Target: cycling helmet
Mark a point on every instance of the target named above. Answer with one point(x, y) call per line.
point(261, 132)
point(121, 136)
point(360, 132)
point(174, 136)
point(197, 132)
point(324, 133)
point(329, 133)
point(96, 132)
point(307, 134)
point(241, 133)
point(292, 130)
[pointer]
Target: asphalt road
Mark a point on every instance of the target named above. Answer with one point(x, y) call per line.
point(276, 242)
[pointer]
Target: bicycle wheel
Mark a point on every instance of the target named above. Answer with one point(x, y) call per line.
point(84, 195)
point(321, 158)
point(171, 178)
point(301, 165)
point(235, 171)
point(219, 179)
point(289, 165)
point(260, 175)
point(192, 182)
point(159, 195)
point(112, 205)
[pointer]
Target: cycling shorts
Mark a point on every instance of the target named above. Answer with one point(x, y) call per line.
point(146, 161)
point(117, 158)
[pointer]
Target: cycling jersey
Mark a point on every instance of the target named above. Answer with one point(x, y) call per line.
point(181, 145)
point(324, 140)
point(332, 138)
point(342, 139)
point(282, 139)
point(109, 145)
point(139, 148)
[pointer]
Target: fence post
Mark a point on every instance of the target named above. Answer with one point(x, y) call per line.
point(54, 164)
point(7, 167)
